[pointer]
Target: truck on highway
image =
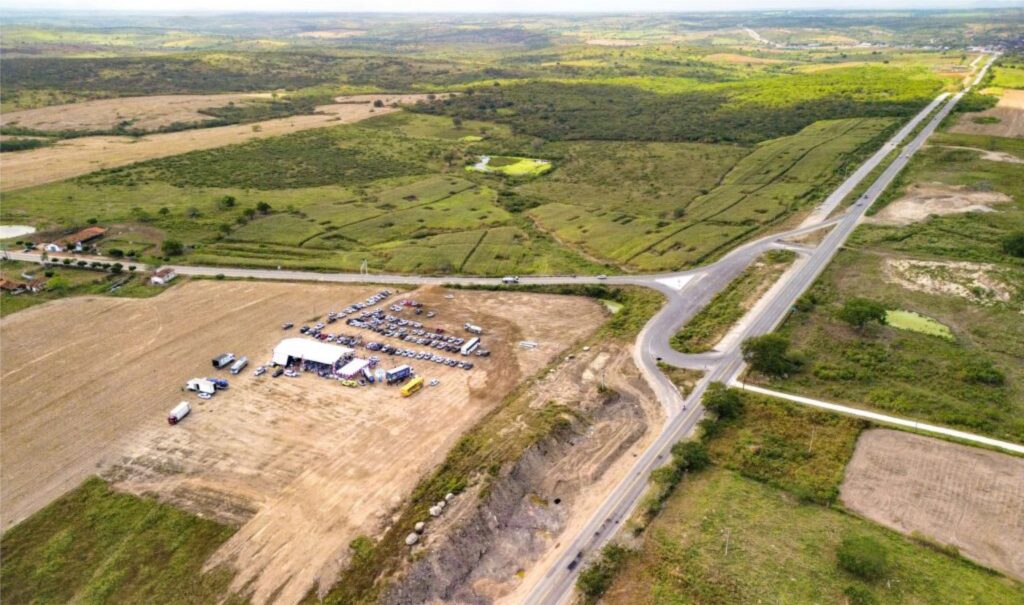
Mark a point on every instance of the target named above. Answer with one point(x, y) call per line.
point(473, 328)
point(510, 279)
point(413, 385)
point(398, 374)
point(178, 413)
point(470, 346)
point(239, 365)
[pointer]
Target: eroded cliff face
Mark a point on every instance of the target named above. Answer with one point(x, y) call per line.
point(489, 540)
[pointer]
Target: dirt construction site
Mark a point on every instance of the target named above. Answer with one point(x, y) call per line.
point(301, 465)
point(962, 496)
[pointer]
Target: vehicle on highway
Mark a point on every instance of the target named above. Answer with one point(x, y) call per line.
point(602, 276)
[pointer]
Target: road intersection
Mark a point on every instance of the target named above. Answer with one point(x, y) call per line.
point(687, 292)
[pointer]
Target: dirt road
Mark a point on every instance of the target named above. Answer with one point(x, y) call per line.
point(955, 494)
point(75, 157)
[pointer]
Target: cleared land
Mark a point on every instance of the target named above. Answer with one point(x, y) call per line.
point(79, 156)
point(304, 465)
point(1009, 113)
point(145, 113)
point(962, 496)
point(923, 201)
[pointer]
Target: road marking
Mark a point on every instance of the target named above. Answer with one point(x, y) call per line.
point(676, 282)
point(893, 420)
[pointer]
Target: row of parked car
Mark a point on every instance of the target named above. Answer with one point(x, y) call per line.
point(406, 330)
point(425, 356)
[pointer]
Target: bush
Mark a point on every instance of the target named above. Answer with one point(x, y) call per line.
point(858, 595)
point(982, 371)
point(115, 253)
point(597, 577)
point(1013, 244)
point(863, 557)
point(172, 247)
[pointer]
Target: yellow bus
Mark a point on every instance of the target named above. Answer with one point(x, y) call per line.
point(414, 385)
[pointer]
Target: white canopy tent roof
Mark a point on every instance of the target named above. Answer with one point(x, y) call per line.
point(309, 350)
point(353, 367)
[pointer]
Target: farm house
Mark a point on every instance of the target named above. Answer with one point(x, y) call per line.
point(309, 351)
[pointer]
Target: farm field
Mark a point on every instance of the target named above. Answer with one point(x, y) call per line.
point(956, 495)
point(143, 113)
point(761, 524)
point(258, 454)
point(75, 157)
point(781, 549)
point(1006, 119)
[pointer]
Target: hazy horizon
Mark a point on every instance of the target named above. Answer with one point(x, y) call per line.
point(491, 6)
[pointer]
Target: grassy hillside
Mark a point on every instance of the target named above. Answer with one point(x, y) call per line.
point(94, 545)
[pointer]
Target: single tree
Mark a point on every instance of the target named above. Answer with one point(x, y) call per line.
point(768, 354)
point(725, 403)
point(228, 201)
point(263, 207)
point(858, 312)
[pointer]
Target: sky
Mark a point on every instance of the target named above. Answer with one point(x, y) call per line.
point(490, 6)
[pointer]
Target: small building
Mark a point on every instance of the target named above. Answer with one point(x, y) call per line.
point(301, 349)
point(162, 277)
point(8, 286)
point(75, 241)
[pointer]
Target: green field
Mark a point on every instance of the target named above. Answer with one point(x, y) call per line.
point(915, 322)
point(94, 545)
point(1008, 76)
point(726, 539)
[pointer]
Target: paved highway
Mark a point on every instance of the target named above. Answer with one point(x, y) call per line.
point(687, 292)
point(557, 585)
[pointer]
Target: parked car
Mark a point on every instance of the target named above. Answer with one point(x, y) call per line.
point(287, 325)
point(278, 372)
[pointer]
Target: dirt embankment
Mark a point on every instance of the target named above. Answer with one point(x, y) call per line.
point(495, 549)
point(970, 498)
point(75, 157)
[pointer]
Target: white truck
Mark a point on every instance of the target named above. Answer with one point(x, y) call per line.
point(178, 413)
point(510, 279)
point(472, 328)
point(470, 346)
point(239, 365)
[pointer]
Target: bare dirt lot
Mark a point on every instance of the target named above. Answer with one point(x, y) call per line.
point(74, 157)
point(303, 465)
point(1009, 111)
point(145, 113)
point(924, 200)
point(977, 282)
point(955, 494)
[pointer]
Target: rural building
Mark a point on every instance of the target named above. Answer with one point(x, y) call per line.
point(75, 241)
point(301, 349)
point(8, 286)
point(163, 276)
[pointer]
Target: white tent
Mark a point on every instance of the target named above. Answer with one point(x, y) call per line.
point(308, 350)
point(201, 385)
point(353, 367)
